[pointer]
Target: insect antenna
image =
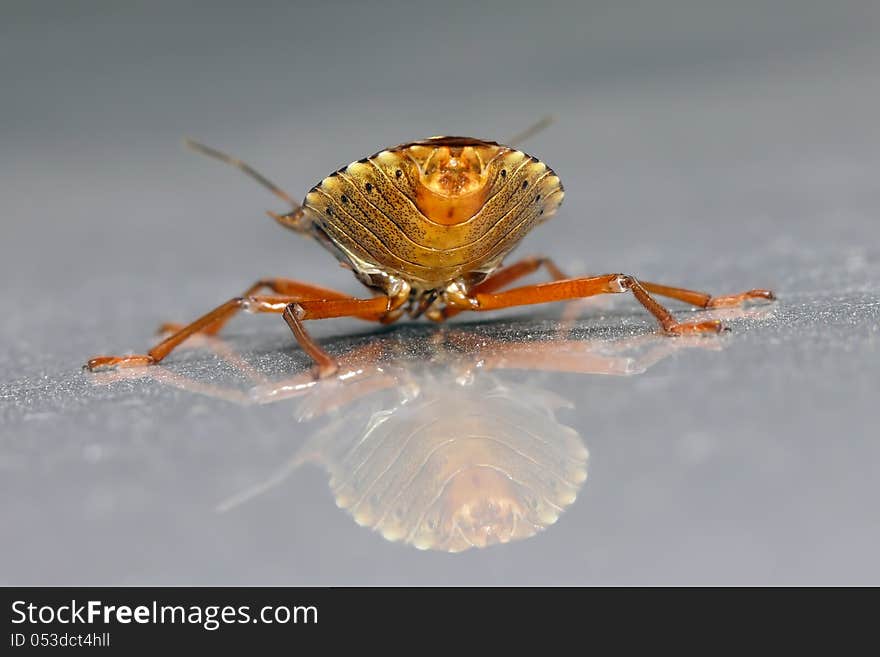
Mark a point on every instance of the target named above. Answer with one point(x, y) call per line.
point(258, 489)
point(291, 219)
point(532, 130)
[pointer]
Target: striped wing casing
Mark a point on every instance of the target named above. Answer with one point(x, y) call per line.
point(434, 211)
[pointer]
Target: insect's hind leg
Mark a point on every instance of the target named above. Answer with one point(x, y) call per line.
point(260, 304)
point(255, 304)
point(297, 312)
point(296, 290)
point(590, 286)
point(704, 300)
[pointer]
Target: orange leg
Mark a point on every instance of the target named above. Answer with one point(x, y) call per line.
point(257, 304)
point(294, 289)
point(297, 312)
point(704, 300)
point(612, 284)
point(507, 275)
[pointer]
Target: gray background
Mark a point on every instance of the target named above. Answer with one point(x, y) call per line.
point(718, 145)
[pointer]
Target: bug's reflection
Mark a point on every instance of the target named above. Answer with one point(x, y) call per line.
point(442, 442)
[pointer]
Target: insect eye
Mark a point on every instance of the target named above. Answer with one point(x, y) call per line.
point(398, 173)
point(504, 173)
point(344, 198)
point(525, 184)
point(369, 187)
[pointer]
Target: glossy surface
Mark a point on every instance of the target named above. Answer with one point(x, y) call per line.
point(438, 455)
point(717, 147)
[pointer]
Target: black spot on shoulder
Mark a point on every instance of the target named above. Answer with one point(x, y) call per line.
point(369, 187)
point(525, 183)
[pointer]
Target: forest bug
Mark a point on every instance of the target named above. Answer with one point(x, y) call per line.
point(426, 225)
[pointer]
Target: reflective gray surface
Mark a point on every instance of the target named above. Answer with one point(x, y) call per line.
point(720, 148)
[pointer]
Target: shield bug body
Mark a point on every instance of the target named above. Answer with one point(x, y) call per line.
point(426, 225)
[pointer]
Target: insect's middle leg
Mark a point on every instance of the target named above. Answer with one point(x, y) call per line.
point(285, 286)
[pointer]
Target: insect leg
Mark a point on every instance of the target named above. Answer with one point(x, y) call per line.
point(256, 304)
point(507, 275)
point(585, 287)
point(285, 286)
point(298, 311)
point(704, 300)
